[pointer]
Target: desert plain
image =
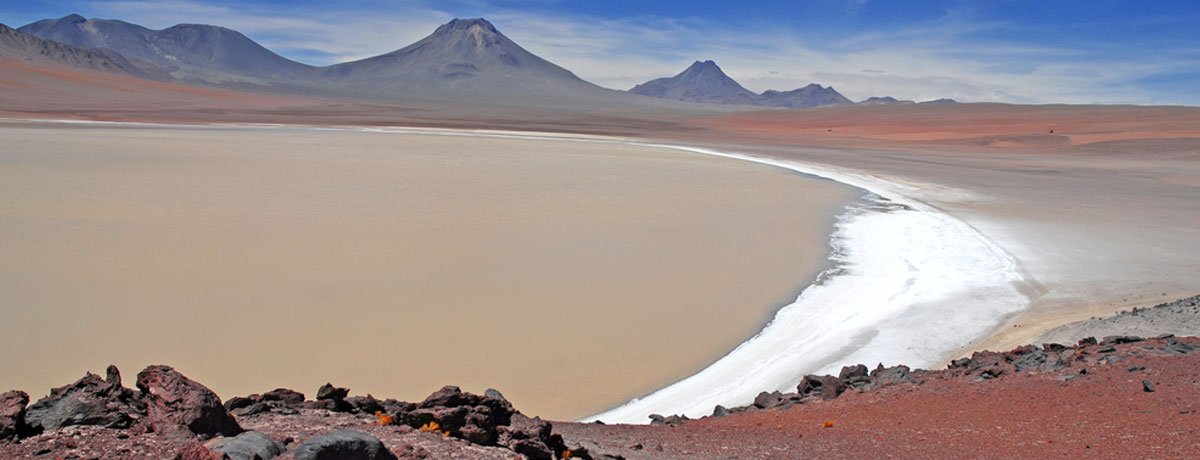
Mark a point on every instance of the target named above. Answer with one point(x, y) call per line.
point(569, 255)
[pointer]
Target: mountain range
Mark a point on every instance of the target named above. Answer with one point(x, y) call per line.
point(464, 61)
point(191, 52)
point(19, 46)
point(706, 82)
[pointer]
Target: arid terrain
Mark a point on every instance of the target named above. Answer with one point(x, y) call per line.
point(153, 217)
point(1121, 397)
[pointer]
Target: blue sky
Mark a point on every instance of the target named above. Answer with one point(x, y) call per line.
point(1099, 51)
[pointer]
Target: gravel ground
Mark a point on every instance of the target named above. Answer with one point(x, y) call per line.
point(1181, 318)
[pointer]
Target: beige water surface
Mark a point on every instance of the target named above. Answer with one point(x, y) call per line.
point(571, 276)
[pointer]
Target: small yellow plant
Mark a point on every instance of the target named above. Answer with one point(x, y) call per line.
point(384, 419)
point(433, 427)
point(828, 424)
point(566, 454)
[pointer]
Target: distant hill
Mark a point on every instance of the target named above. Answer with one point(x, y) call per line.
point(23, 47)
point(700, 82)
point(940, 101)
point(885, 100)
point(813, 95)
point(190, 52)
point(706, 82)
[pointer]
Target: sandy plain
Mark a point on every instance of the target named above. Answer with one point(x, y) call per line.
point(572, 276)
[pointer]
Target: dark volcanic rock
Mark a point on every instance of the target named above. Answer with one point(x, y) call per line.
point(1120, 339)
point(657, 419)
point(284, 395)
point(343, 445)
point(464, 415)
point(332, 398)
point(1030, 361)
point(89, 401)
point(328, 391)
point(176, 403)
point(850, 372)
point(766, 400)
point(12, 414)
point(238, 402)
point(894, 374)
point(823, 386)
point(531, 437)
point(1175, 347)
point(720, 411)
point(365, 404)
point(1147, 386)
point(250, 445)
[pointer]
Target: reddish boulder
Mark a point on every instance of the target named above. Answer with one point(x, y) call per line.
point(12, 414)
point(176, 403)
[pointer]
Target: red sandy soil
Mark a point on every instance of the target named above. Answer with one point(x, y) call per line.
point(1103, 414)
point(36, 89)
point(958, 125)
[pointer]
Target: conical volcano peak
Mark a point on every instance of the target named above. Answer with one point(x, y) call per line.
point(467, 24)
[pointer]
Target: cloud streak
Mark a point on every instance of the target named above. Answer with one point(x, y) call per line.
point(952, 56)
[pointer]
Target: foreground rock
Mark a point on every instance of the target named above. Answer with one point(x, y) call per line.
point(91, 400)
point(344, 445)
point(177, 404)
point(12, 414)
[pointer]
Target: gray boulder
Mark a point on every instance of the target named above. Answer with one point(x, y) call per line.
point(343, 445)
point(250, 445)
point(91, 400)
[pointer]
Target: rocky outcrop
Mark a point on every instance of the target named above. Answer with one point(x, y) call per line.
point(175, 403)
point(468, 416)
point(343, 445)
point(91, 400)
point(12, 414)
